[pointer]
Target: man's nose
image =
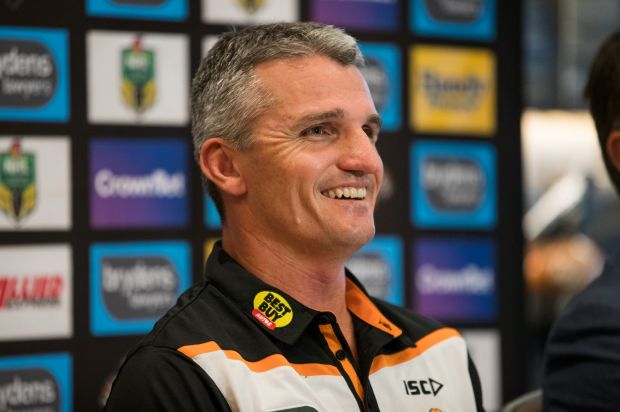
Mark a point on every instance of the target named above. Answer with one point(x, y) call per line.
point(359, 153)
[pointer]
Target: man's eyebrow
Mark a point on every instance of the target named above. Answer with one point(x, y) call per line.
point(375, 119)
point(320, 117)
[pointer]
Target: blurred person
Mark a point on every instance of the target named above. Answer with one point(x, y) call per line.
point(582, 369)
point(284, 132)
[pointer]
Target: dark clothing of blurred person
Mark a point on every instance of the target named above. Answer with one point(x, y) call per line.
point(582, 367)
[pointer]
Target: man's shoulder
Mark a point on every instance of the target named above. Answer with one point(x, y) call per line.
point(187, 322)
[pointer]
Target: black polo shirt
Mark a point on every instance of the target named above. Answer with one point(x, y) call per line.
point(235, 343)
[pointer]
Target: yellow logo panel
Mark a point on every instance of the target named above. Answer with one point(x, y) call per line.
point(452, 90)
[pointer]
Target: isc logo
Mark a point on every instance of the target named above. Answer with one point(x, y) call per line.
point(422, 387)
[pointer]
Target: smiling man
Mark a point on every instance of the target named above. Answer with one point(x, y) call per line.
point(285, 133)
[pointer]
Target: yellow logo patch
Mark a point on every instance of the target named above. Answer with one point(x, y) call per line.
point(452, 90)
point(272, 310)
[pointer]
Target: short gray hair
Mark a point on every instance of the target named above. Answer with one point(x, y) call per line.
point(227, 96)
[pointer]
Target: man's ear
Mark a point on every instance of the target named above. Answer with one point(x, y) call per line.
point(217, 162)
point(613, 148)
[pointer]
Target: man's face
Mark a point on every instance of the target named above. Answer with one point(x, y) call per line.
point(313, 173)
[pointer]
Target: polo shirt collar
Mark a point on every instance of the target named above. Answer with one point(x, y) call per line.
point(273, 310)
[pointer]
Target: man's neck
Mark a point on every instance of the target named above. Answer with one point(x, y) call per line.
point(315, 281)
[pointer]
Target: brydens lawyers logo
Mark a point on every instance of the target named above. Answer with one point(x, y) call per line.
point(133, 284)
point(28, 74)
point(28, 389)
point(453, 184)
point(272, 310)
point(138, 69)
point(138, 287)
point(36, 383)
point(457, 11)
point(34, 74)
point(18, 194)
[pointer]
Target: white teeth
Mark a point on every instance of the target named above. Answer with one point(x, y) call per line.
point(346, 192)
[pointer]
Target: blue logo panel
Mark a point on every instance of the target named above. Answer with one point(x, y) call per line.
point(382, 73)
point(454, 279)
point(453, 185)
point(379, 267)
point(466, 19)
point(34, 75)
point(134, 284)
point(174, 10)
point(211, 215)
point(47, 374)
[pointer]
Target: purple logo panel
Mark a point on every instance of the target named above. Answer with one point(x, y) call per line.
point(454, 279)
point(138, 183)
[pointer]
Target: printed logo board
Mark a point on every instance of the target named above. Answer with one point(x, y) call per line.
point(382, 73)
point(249, 12)
point(174, 10)
point(35, 185)
point(453, 184)
point(365, 15)
point(452, 90)
point(36, 292)
point(34, 74)
point(41, 382)
point(379, 267)
point(138, 183)
point(454, 279)
point(137, 78)
point(134, 284)
point(463, 19)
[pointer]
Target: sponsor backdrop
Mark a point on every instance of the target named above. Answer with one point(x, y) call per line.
point(103, 222)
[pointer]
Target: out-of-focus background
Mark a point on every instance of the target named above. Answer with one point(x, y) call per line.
point(571, 213)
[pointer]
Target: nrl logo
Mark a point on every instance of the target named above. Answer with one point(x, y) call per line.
point(18, 194)
point(251, 6)
point(138, 69)
point(13, 4)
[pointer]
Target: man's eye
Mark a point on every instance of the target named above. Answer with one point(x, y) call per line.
point(372, 134)
point(314, 130)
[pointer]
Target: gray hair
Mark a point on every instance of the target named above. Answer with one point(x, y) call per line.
point(227, 96)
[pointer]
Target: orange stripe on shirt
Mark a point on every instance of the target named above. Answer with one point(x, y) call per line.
point(263, 365)
point(334, 345)
point(430, 340)
point(360, 305)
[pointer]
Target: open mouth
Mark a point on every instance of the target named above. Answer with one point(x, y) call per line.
point(345, 193)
